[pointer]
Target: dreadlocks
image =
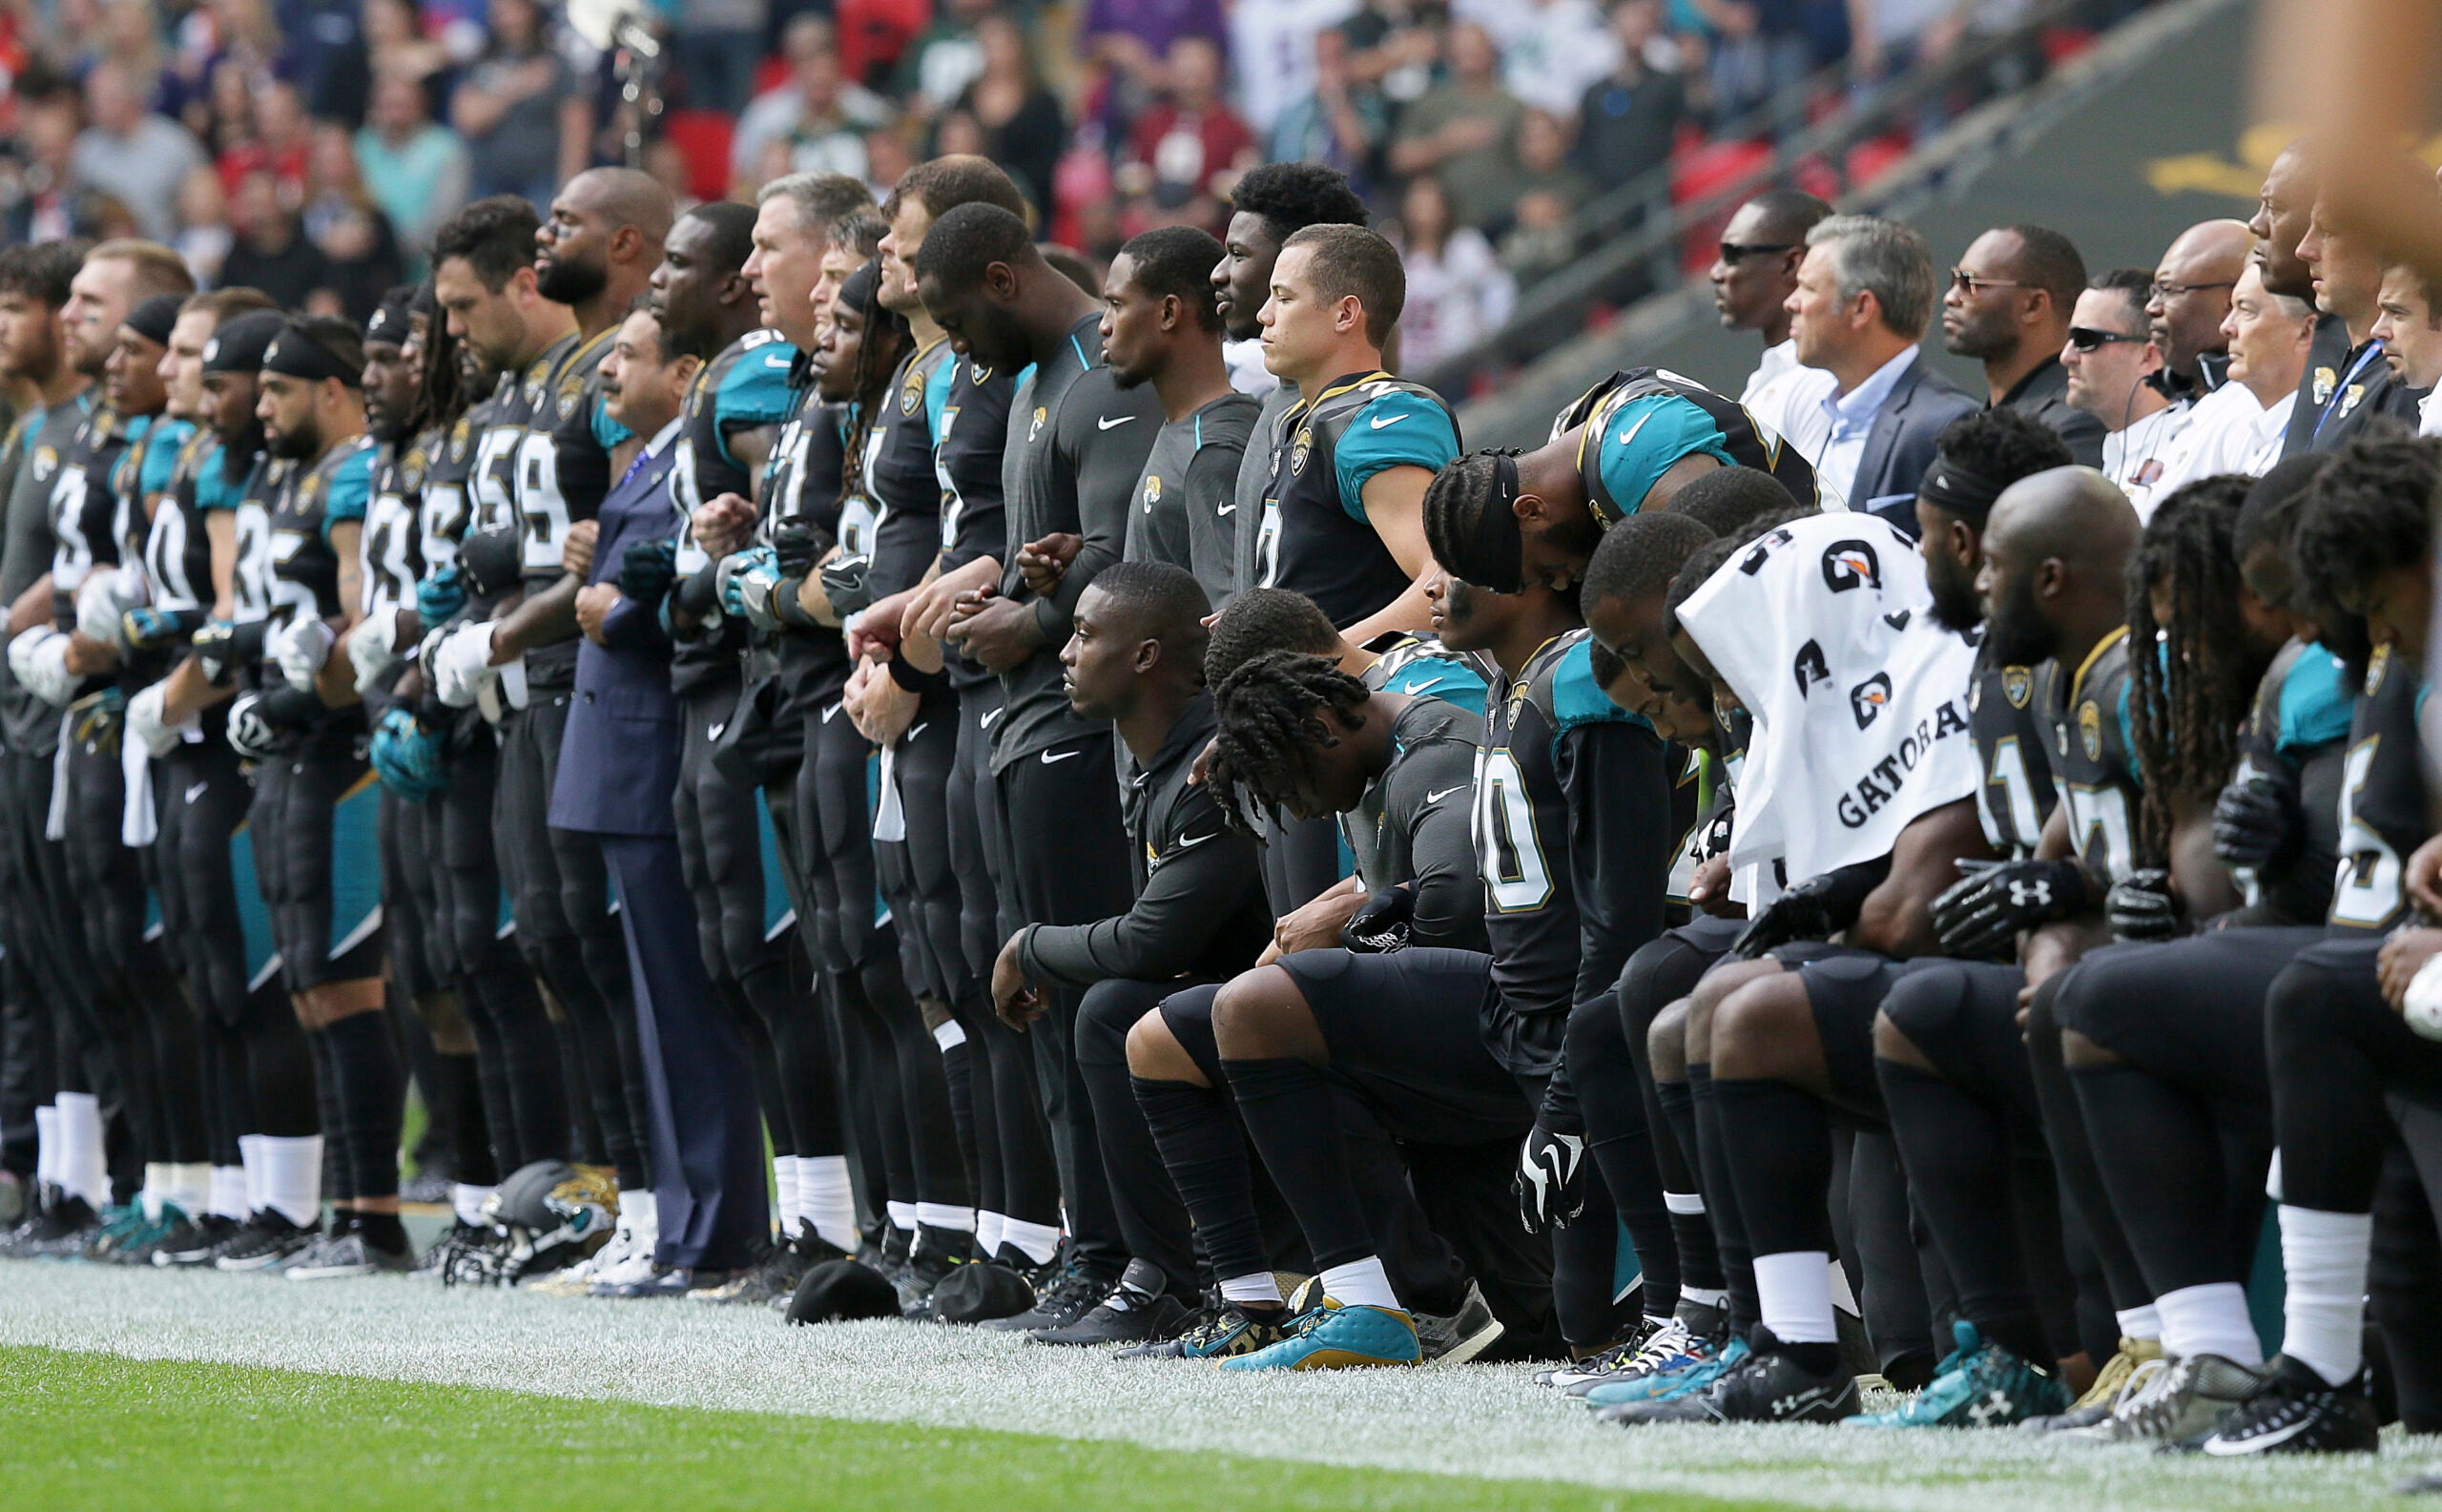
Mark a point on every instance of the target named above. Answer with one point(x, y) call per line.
point(2365, 512)
point(1268, 716)
point(1264, 619)
point(1455, 502)
point(2188, 699)
point(441, 390)
point(885, 340)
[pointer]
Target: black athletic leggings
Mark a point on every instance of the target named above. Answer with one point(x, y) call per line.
point(423, 960)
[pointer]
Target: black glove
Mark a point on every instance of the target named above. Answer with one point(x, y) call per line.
point(1551, 1179)
point(1816, 908)
point(1979, 915)
point(2256, 822)
point(647, 571)
point(844, 583)
point(797, 545)
point(493, 558)
point(2141, 907)
point(216, 652)
point(1381, 926)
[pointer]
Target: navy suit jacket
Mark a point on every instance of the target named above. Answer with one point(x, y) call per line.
point(1900, 447)
point(619, 756)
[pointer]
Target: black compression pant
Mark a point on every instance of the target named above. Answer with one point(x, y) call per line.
point(1659, 973)
point(1602, 1079)
point(1302, 861)
point(562, 899)
point(517, 1056)
point(424, 966)
point(927, 904)
point(1146, 1202)
point(2404, 1273)
point(2335, 1049)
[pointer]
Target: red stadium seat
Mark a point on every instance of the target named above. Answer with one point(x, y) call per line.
point(703, 139)
point(874, 32)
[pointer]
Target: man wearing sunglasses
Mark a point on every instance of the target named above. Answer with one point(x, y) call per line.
point(2110, 354)
point(1752, 278)
point(2008, 307)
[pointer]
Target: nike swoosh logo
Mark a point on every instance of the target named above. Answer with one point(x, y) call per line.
point(1232, 507)
point(828, 713)
point(1112, 422)
point(776, 360)
point(714, 733)
point(1187, 844)
point(920, 730)
point(195, 791)
point(985, 723)
point(2221, 1448)
point(1630, 434)
point(1431, 798)
point(1379, 422)
point(1049, 757)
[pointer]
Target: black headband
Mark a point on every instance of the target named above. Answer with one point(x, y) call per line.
point(389, 324)
point(295, 354)
point(1495, 552)
point(1959, 491)
point(238, 347)
point(153, 318)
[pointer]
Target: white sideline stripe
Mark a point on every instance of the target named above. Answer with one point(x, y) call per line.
point(1482, 1421)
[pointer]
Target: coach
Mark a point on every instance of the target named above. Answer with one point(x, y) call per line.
point(618, 777)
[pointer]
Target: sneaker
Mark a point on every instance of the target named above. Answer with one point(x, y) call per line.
point(2295, 1412)
point(269, 1239)
point(429, 1186)
point(1216, 1331)
point(1673, 1346)
point(1334, 1336)
point(1461, 1336)
point(348, 1252)
point(2186, 1401)
point(666, 1282)
point(1977, 1385)
point(1603, 1363)
point(434, 1264)
point(772, 1274)
point(198, 1244)
point(1768, 1385)
point(1068, 1295)
point(1698, 1363)
point(2137, 1361)
point(122, 1223)
point(62, 1224)
point(1138, 1310)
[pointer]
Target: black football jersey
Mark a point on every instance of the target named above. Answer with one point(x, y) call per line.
point(746, 384)
point(968, 437)
point(2297, 734)
point(802, 483)
point(83, 511)
point(897, 469)
point(2011, 747)
point(2095, 757)
point(251, 580)
point(444, 510)
point(1314, 537)
point(305, 566)
point(177, 548)
point(2382, 795)
point(1609, 417)
point(390, 556)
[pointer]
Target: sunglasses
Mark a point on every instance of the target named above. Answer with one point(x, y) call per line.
point(2087, 339)
point(2172, 291)
point(1732, 252)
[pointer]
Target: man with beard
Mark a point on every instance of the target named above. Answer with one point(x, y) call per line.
point(2008, 307)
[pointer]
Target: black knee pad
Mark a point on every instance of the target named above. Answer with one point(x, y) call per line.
point(1189, 1017)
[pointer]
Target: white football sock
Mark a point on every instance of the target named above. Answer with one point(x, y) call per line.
point(189, 1187)
point(1836, 1277)
point(1687, 1204)
point(149, 1196)
point(2323, 1255)
point(467, 1204)
point(1794, 1294)
point(1038, 1241)
point(1704, 1296)
point(293, 1178)
point(786, 1205)
point(2209, 1320)
point(83, 1165)
point(250, 1157)
point(1261, 1287)
point(2143, 1324)
point(1361, 1283)
point(46, 1146)
point(229, 1193)
point(642, 1215)
point(902, 1215)
point(826, 1199)
point(942, 1216)
point(988, 1226)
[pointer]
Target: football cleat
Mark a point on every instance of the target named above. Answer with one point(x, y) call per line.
point(122, 1222)
point(1697, 1364)
point(1067, 1294)
point(2185, 1400)
point(345, 1254)
point(60, 1224)
point(1336, 1337)
point(267, 1240)
point(198, 1245)
point(1603, 1363)
point(2136, 1362)
point(1461, 1336)
point(934, 1255)
point(1977, 1385)
point(172, 1229)
point(1138, 1310)
point(1218, 1330)
point(1673, 1346)
point(1768, 1385)
point(2296, 1412)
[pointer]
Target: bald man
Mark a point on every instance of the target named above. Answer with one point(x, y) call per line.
point(2191, 297)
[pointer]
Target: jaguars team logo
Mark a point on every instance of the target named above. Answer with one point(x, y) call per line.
point(2349, 399)
point(1299, 449)
point(46, 462)
point(311, 489)
point(2325, 381)
point(1035, 428)
point(2375, 666)
point(571, 393)
point(2017, 683)
point(411, 470)
point(460, 435)
point(1152, 491)
point(977, 373)
point(2090, 730)
point(538, 380)
point(911, 393)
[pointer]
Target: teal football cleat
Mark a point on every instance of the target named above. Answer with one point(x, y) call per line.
point(1703, 1363)
point(1336, 1337)
point(1977, 1385)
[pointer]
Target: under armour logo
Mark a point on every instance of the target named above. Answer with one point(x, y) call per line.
point(1993, 1408)
point(2036, 894)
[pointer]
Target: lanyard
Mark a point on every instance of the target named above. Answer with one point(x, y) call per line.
point(2373, 350)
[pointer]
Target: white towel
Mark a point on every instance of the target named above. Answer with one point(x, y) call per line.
point(1824, 630)
point(139, 823)
point(890, 814)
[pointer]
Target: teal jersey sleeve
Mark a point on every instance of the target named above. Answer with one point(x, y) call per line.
point(1393, 430)
point(349, 491)
point(937, 396)
point(1440, 677)
point(2128, 735)
point(755, 391)
point(213, 489)
point(161, 454)
point(1645, 437)
point(2316, 705)
point(607, 431)
point(1577, 699)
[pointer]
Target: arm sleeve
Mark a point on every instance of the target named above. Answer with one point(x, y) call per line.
point(161, 456)
point(1620, 842)
point(1106, 478)
point(1435, 795)
point(1395, 429)
point(1192, 891)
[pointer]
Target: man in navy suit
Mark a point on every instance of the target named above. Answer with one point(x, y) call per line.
point(1864, 294)
point(618, 774)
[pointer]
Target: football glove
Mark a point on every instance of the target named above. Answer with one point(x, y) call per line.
point(372, 650)
point(1816, 908)
point(250, 735)
point(1981, 914)
point(102, 604)
point(846, 582)
point(96, 719)
point(460, 663)
point(493, 558)
point(441, 595)
point(2141, 907)
point(147, 721)
point(221, 646)
point(2255, 821)
point(1383, 924)
point(796, 547)
point(300, 648)
point(647, 569)
point(146, 629)
point(1551, 1179)
point(39, 659)
point(746, 579)
point(409, 759)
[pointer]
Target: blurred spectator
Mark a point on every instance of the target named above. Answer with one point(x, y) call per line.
point(818, 115)
point(416, 170)
point(1550, 50)
point(1465, 130)
point(131, 155)
point(1393, 46)
point(1543, 164)
point(227, 108)
point(1341, 122)
point(1182, 146)
point(226, 49)
point(388, 40)
point(272, 252)
point(1133, 38)
point(938, 65)
point(42, 198)
point(717, 44)
point(1273, 54)
point(1457, 291)
point(278, 144)
point(203, 237)
point(1019, 123)
point(888, 159)
point(1764, 50)
point(326, 46)
point(524, 118)
point(1541, 238)
point(357, 239)
point(128, 34)
point(668, 164)
point(1631, 117)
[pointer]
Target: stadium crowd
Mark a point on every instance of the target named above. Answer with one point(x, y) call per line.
point(869, 764)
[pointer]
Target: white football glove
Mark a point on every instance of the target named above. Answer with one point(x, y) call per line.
point(301, 648)
point(461, 665)
point(102, 605)
point(250, 735)
point(39, 658)
point(2422, 1004)
point(148, 720)
point(372, 650)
